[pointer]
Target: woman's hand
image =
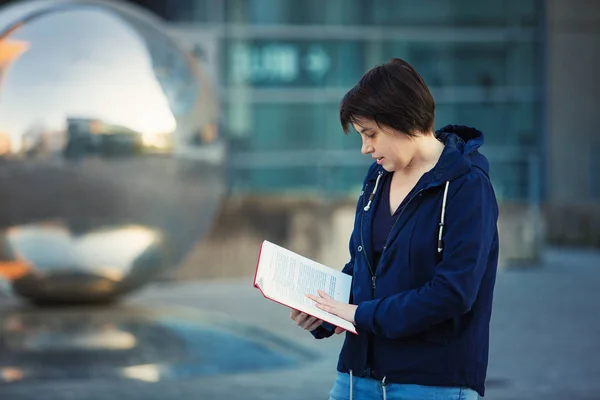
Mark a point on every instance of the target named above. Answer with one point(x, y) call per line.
point(308, 322)
point(305, 321)
point(326, 303)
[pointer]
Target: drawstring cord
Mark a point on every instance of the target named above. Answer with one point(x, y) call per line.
point(350, 384)
point(372, 195)
point(440, 246)
point(440, 242)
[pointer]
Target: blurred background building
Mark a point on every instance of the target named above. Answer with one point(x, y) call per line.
point(284, 65)
point(522, 71)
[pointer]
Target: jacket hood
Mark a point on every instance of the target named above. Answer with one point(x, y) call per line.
point(461, 153)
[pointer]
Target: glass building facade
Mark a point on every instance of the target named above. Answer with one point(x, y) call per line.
point(282, 67)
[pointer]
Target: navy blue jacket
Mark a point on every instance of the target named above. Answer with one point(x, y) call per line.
point(426, 319)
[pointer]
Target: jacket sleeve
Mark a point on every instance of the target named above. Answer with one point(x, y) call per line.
point(470, 229)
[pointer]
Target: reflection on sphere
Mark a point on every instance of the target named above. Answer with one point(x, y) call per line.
point(110, 156)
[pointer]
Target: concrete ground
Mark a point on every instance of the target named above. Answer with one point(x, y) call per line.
point(544, 344)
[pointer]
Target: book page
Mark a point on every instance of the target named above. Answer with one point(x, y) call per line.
point(287, 277)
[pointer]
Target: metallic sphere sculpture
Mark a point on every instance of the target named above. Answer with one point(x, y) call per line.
point(110, 160)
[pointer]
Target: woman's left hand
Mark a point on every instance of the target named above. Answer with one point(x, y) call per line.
point(326, 303)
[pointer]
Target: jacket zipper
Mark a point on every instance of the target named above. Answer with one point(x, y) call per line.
point(373, 274)
point(362, 242)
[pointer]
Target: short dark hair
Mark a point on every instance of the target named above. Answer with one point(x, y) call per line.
point(392, 94)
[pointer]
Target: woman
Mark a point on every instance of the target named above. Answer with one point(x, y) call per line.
point(424, 250)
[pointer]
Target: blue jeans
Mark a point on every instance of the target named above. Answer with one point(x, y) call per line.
point(370, 389)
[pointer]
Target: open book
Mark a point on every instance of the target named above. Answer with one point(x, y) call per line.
point(286, 277)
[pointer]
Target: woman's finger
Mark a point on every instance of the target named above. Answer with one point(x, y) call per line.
point(314, 298)
point(294, 314)
point(326, 307)
point(300, 318)
point(314, 325)
point(308, 322)
point(304, 316)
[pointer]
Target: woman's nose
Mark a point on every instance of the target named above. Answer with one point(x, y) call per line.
point(366, 149)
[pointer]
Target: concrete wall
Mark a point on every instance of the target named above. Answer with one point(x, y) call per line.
point(319, 230)
point(573, 224)
point(315, 229)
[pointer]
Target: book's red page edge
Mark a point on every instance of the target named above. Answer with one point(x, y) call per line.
point(277, 301)
point(283, 304)
point(257, 262)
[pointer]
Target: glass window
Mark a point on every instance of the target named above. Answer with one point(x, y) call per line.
point(291, 138)
point(399, 13)
point(511, 178)
point(511, 130)
point(293, 147)
point(488, 65)
point(282, 12)
point(503, 124)
point(288, 126)
point(385, 12)
point(324, 181)
point(453, 12)
point(292, 63)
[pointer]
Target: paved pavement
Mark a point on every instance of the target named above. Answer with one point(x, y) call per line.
point(545, 342)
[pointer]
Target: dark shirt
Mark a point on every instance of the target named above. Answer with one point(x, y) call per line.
point(382, 220)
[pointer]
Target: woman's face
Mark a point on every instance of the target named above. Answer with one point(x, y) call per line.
point(392, 150)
